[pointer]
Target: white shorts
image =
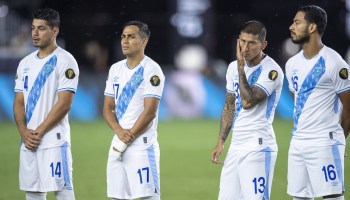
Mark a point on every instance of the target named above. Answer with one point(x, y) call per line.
point(247, 175)
point(46, 170)
point(135, 175)
point(315, 171)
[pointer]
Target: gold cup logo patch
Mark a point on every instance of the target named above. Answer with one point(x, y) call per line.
point(70, 73)
point(273, 75)
point(155, 81)
point(343, 73)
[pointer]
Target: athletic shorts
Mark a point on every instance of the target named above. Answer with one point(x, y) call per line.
point(315, 171)
point(46, 170)
point(135, 175)
point(247, 175)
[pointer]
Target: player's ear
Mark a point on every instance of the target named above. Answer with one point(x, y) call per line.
point(312, 28)
point(144, 42)
point(264, 44)
point(56, 30)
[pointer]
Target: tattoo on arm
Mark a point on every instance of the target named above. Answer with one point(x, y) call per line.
point(227, 116)
point(249, 96)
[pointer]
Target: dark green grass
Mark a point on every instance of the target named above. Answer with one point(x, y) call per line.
point(187, 172)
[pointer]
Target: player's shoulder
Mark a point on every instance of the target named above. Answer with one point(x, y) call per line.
point(30, 56)
point(118, 64)
point(330, 54)
point(270, 63)
point(294, 58)
point(150, 65)
point(232, 66)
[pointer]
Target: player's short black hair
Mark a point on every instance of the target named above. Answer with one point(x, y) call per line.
point(315, 14)
point(48, 14)
point(256, 28)
point(144, 30)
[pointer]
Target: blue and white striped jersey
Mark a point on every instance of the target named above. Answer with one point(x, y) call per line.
point(252, 128)
point(315, 83)
point(129, 87)
point(40, 80)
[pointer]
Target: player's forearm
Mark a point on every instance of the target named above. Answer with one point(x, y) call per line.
point(57, 113)
point(227, 116)
point(245, 90)
point(19, 115)
point(111, 120)
point(143, 122)
point(345, 121)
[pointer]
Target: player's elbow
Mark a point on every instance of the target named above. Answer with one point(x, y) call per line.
point(246, 105)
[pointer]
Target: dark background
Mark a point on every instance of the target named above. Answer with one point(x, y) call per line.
point(83, 21)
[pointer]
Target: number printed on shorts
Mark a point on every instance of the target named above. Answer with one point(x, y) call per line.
point(144, 172)
point(259, 185)
point(55, 170)
point(329, 173)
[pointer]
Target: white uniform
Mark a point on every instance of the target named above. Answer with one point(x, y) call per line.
point(40, 81)
point(253, 144)
point(129, 87)
point(316, 82)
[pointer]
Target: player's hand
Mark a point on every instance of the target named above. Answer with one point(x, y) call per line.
point(30, 139)
point(217, 152)
point(129, 137)
point(240, 55)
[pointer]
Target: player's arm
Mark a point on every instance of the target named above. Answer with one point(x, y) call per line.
point(226, 121)
point(345, 117)
point(57, 113)
point(28, 139)
point(144, 120)
point(249, 96)
point(109, 116)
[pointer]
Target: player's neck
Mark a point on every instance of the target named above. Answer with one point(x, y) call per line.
point(45, 51)
point(133, 61)
point(313, 47)
point(255, 61)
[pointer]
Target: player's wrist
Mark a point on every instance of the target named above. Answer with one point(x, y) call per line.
point(120, 146)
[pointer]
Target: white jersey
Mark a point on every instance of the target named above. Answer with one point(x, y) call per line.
point(129, 87)
point(316, 82)
point(40, 80)
point(252, 128)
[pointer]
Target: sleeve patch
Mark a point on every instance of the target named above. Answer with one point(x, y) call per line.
point(70, 73)
point(155, 81)
point(273, 75)
point(343, 73)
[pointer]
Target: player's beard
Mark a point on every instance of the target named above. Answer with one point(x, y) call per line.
point(304, 38)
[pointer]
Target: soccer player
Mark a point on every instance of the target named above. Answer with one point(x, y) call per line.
point(46, 82)
point(254, 84)
point(318, 78)
point(133, 90)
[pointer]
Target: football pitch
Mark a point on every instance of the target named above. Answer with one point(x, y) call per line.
point(187, 172)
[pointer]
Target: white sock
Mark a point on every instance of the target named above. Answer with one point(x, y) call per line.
point(35, 195)
point(335, 198)
point(151, 198)
point(65, 194)
point(302, 198)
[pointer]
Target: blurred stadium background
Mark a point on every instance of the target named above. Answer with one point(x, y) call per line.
point(193, 41)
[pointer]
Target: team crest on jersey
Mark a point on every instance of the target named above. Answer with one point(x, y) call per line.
point(318, 70)
point(155, 81)
point(70, 73)
point(343, 73)
point(273, 75)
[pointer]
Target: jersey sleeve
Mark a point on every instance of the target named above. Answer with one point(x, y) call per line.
point(289, 77)
point(19, 78)
point(339, 74)
point(109, 91)
point(154, 82)
point(269, 79)
point(68, 73)
point(229, 78)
